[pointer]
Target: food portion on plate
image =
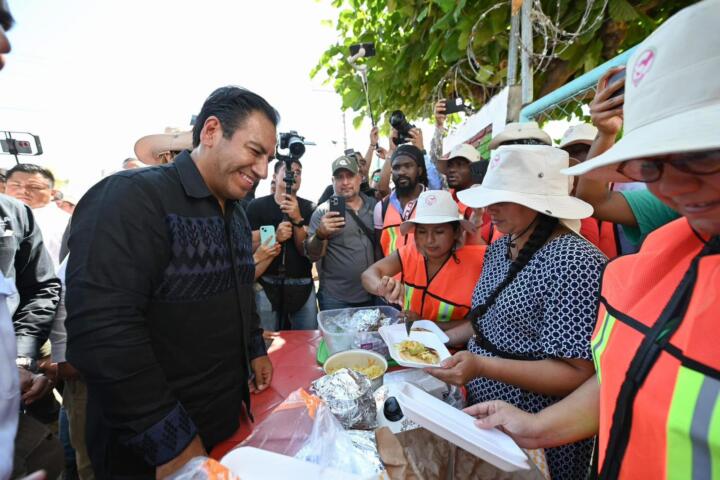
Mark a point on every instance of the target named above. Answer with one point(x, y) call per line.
point(414, 351)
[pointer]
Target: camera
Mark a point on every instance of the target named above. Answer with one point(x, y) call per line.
point(400, 123)
point(293, 142)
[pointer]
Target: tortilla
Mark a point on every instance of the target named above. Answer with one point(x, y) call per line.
point(414, 351)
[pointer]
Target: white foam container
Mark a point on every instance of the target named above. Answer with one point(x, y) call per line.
point(433, 327)
point(457, 427)
point(251, 463)
point(394, 334)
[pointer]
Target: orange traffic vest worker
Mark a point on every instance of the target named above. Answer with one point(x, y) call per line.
point(660, 322)
point(391, 239)
point(447, 295)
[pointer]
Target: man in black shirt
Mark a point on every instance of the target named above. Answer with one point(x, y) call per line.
point(291, 292)
point(161, 310)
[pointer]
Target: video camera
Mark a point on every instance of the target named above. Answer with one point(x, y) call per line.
point(400, 123)
point(293, 142)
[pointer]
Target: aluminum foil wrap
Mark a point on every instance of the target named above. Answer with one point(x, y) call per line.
point(369, 320)
point(366, 445)
point(349, 396)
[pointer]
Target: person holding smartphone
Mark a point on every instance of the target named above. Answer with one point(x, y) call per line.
point(287, 300)
point(343, 246)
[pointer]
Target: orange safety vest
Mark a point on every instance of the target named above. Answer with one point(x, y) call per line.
point(674, 421)
point(448, 295)
point(608, 239)
point(390, 238)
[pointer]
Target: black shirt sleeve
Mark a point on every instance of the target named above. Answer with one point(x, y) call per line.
point(118, 250)
point(38, 287)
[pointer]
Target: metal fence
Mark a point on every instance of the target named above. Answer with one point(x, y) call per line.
point(568, 100)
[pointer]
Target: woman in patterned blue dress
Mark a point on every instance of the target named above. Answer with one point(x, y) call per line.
point(535, 305)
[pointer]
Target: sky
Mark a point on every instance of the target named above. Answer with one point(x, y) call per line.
point(92, 77)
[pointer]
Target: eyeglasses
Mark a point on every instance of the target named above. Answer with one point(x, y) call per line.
point(524, 141)
point(33, 188)
point(651, 169)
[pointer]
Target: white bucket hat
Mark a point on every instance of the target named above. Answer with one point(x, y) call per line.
point(672, 92)
point(529, 175)
point(520, 131)
point(435, 206)
point(464, 150)
point(581, 133)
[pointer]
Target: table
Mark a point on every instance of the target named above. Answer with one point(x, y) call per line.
point(292, 354)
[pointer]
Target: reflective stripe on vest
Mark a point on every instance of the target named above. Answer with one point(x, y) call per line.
point(448, 295)
point(675, 423)
point(390, 238)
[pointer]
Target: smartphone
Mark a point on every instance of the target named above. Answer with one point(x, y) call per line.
point(369, 49)
point(617, 77)
point(454, 105)
point(337, 204)
point(267, 232)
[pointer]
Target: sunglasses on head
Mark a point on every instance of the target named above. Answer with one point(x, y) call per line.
point(524, 141)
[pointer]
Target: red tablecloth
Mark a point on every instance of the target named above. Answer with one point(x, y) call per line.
point(293, 355)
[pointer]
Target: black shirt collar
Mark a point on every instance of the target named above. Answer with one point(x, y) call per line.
point(190, 177)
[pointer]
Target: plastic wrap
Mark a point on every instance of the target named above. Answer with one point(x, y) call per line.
point(304, 427)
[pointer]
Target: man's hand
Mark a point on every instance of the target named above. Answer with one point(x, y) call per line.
point(523, 427)
point(606, 112)
point(416, 138)
point(290, 206)
point(458, 369)
point(381, 152)
point(266, 251)
point(374, 137)
point(391, 290)
point(330, 224)
point(283, 231)
point(194, 449)
point(33, 386)
point(263, 370)
point(67, 371)
point(440, 113)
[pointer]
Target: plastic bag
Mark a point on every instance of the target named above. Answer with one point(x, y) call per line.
point(203, 468)
point(304, 427)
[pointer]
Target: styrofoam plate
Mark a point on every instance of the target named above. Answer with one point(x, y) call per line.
point(457, 427)
point(394, 334)
point(251, 463)
point(433, 327)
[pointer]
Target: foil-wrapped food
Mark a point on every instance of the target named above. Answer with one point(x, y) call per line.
point(349, 396)
point(368, 320)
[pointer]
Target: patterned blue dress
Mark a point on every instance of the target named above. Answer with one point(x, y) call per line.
point(548, 311)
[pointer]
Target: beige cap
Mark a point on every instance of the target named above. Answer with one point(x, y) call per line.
point(520, 131)
point(463, 150)
point(149, 148)
point(580, 133)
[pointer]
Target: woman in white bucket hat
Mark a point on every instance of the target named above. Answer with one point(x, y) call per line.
point(433, 277)
point(655, 399)
point(535, 305)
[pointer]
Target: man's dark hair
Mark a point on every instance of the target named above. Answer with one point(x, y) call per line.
point(232, 106)
point(32, 168)
point(280, 163)
point(6, 20)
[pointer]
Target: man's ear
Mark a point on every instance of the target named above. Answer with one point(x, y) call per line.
point(211, 132)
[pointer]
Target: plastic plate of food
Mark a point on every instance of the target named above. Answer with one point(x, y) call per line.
point(418, 350)
point(429, 326)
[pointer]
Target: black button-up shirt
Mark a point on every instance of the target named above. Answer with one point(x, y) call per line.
point(161, 314)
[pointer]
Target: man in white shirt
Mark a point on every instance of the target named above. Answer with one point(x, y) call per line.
point(34, 186)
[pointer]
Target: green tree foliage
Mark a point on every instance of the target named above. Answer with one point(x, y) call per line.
point(419, 41)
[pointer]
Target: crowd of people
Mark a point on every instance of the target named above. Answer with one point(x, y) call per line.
point(578, 283)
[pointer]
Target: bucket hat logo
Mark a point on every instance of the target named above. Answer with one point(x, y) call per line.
point(643, 65)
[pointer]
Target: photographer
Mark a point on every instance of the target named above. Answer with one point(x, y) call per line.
point(343, 247)
point(295, 290)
